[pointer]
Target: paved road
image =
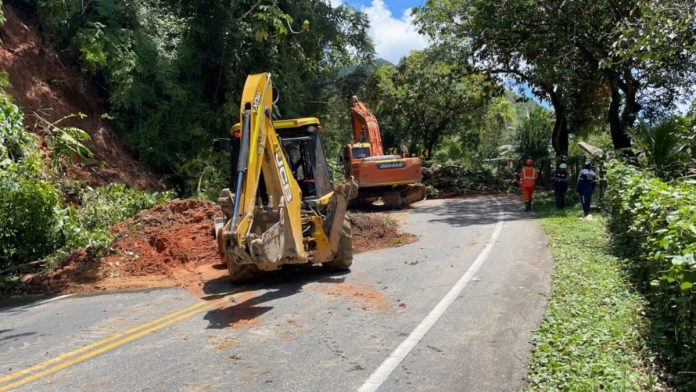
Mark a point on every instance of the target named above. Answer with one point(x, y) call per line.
point(478, 276)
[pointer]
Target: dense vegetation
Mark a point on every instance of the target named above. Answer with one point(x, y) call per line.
point(172, 71)
point(38, 220)
point(598, 63)
point(655, 225)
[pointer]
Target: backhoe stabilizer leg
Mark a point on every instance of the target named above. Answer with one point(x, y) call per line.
point(343, 193)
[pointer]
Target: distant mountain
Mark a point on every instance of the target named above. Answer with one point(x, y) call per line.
point(370, 68)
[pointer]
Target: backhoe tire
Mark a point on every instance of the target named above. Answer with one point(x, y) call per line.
point(344, 257)
point(240, 273)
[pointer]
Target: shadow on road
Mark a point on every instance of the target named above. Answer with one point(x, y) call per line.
point(278, 284)
point(471, 211)
point(17, 335)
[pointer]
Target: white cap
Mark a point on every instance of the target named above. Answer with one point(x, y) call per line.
point(563, 166)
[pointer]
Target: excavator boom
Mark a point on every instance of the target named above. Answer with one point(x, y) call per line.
point(366, 127)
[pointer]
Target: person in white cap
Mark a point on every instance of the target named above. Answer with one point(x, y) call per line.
point(560, 185)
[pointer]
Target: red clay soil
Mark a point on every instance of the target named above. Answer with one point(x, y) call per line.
point(41, 84)
point(172, 245)
point(377, 231)
point(167, 245)
point(364, 295)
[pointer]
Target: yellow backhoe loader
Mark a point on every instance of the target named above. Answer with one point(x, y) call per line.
point(285, 208)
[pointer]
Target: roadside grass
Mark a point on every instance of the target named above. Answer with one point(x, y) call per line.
point(593, 333)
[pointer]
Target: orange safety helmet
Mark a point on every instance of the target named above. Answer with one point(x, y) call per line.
point(528, 162)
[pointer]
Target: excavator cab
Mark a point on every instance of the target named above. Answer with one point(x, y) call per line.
point(358, 150)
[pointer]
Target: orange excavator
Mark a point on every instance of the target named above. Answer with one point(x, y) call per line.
point(393, 178)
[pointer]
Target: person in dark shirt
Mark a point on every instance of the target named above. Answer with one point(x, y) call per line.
point(585, 187)
point(560, 185)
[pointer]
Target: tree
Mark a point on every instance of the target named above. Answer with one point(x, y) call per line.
point(566, 52)
point(172, 71)
point(532, 135)
point(425, 98)
point(664, 146)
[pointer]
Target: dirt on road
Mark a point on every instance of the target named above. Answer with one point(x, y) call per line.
point(172, 244)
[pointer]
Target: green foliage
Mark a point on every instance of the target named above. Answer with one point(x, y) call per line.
point(664, 146)
point(656, 222)
point(30, 216)
point(427, 98)
point(104, 207)
point(66, 143)
point(336, 169)
point(592, 335)
point(15, 143)
point(595, 62)
point(172, 71)
point(533, 135)
point(431, 191)
point(91, 48)
point(35, 220)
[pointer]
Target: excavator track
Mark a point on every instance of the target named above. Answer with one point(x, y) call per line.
point(404, 196)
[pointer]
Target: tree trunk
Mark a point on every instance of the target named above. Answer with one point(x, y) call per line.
point(618, 122)
point(560, 134)
point(630, 87)
point(559, 138)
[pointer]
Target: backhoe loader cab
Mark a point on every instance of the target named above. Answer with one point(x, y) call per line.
point(300, 140)
point(285, 208)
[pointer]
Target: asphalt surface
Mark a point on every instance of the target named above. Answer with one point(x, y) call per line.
point(309, 330)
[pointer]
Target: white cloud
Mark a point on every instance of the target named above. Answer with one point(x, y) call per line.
point(394, 38)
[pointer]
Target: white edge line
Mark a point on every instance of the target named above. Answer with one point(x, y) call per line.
point(397, 356)
point(51, 300)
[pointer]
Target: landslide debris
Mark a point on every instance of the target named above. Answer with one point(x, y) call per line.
point(373, 231)
point(169, 241)
point(172, 244)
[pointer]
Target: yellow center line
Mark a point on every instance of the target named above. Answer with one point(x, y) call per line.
point(90, 346)
point(91, 350)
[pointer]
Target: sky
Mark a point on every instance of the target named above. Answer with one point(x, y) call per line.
point(393, 32)
point(391, 26)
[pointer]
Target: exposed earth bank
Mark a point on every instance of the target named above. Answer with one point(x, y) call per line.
point(48, 91)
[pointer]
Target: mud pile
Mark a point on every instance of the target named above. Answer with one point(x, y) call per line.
point(172, 245)
point(376, 231)
point(162, 246)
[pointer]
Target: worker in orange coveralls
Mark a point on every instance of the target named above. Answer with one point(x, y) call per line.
point(528, 177)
